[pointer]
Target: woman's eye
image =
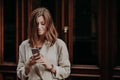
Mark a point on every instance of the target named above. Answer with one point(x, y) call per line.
point(42, 23)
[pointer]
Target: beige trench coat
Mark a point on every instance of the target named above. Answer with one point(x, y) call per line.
point(56, 55)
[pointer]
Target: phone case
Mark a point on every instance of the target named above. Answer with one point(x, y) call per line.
point(35, 50)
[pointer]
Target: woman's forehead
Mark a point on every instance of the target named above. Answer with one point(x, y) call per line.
point(40, 18)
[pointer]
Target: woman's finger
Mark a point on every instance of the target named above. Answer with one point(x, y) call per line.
point(36, 54)
point(41, 55)
point(37, 57)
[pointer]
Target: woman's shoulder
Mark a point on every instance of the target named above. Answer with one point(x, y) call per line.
point(25, 42)
point(60, 42)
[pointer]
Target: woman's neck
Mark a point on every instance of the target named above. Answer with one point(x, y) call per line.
point(39, 43)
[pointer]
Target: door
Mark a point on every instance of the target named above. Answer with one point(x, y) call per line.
point(85, 43)
point(93, 39)
point(115, 39)
point(8, 49)
point(13, 28)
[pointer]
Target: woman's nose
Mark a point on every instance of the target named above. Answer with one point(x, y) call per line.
point(39, 26)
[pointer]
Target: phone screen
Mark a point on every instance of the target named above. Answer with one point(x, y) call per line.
point(35, 50)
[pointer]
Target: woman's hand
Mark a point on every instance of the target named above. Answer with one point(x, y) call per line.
point(41, 59)
point(47, 65)
point(31, 61)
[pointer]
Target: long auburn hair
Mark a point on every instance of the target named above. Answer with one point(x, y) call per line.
point(51, 32)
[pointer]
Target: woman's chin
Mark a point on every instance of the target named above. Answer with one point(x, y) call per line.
point(40, 33)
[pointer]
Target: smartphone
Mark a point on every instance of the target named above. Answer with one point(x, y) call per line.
point(35, 50)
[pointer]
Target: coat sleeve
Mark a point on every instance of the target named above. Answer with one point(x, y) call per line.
point(63, 68)
point(21, 63)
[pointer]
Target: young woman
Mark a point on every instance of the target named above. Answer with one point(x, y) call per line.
point(43, 56)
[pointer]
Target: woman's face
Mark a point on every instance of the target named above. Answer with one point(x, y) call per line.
point(41, 27)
